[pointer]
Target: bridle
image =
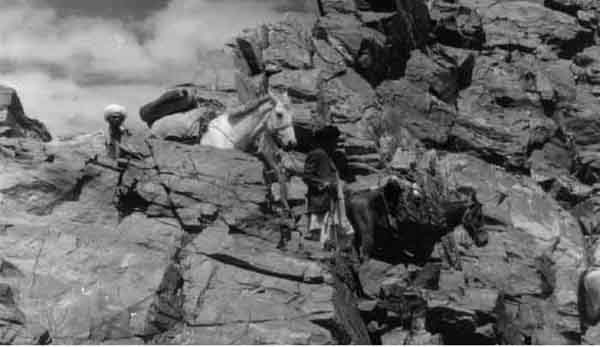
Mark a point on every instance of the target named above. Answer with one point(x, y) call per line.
point(274, 133)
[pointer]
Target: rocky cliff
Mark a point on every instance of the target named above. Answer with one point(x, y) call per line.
point(178, 246)
point(13, 120)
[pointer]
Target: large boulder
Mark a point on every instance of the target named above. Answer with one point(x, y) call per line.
point(190, 183)
point(573, 7)
point(551, 161)
point(239, 289)
point(14, 122)
point(349, 98)
point(289, 43)
point(83, 281)
point(338, 6)
point(444, 72)
point(36, 178)
point(300, 84)
point(363, 46)
point(411, 106)
point(501, 115)
point(416, 13)
point(95, 255)
point(527, 25)
point(538, 256)
point(579, 122)
point(501, 135)
point(81, 273)
point(521, 287)
point(588, 214)
point(457, 25)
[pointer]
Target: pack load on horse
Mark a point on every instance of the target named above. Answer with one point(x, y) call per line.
point(180, 98)
point(411, 217)
point(181, 114)
point(326, 208)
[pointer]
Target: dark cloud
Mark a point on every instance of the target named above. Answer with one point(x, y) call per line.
point(120, 9)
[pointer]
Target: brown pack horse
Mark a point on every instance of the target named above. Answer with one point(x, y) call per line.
point(395, 218)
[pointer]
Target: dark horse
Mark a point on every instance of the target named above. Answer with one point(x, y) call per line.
point(397, 219)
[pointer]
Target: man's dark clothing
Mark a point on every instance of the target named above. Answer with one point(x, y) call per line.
point(319, 171)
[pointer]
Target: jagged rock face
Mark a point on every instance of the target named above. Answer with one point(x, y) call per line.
point(588, 214)
point(444, 72)
point(575, 7)
point(14, 122)
point(410, 106)
point(522, 286)
point(241, 290)
point(195, 184)
point(551, 239)
point(78, 273)
point(185, 252)
point(527, 25)
point(457, 25)
point(89, 259)
point(514, 84)
point(501, 114)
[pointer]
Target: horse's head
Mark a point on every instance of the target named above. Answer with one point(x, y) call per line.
point(472, 219)
point(281, 120)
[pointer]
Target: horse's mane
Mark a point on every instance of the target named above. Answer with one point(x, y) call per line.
point(239, 112)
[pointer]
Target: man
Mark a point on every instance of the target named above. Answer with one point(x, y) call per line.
point(115, 116)
point(325, 201)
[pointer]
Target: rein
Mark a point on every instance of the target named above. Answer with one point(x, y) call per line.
point(211, 126)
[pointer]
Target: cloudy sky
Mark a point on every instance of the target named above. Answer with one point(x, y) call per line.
point(70, 58)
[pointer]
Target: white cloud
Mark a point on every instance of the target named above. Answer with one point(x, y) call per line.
point(68, 108)
point(67, 68)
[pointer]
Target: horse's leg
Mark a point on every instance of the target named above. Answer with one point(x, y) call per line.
point(367, 228)
point(341, 205)
point(327, 227)
point(451, 251)
point(283, 192)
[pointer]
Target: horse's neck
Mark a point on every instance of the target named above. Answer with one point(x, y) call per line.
point(249, 128)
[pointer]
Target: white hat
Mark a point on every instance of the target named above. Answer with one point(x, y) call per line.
point(115, 110)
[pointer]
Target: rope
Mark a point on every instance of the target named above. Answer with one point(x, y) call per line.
point(212, 126)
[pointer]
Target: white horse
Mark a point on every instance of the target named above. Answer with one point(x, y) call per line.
point(270, 114)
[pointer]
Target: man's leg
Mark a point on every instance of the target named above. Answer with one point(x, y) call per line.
point(315, 224)
point(325, 227)
point(341, 208)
